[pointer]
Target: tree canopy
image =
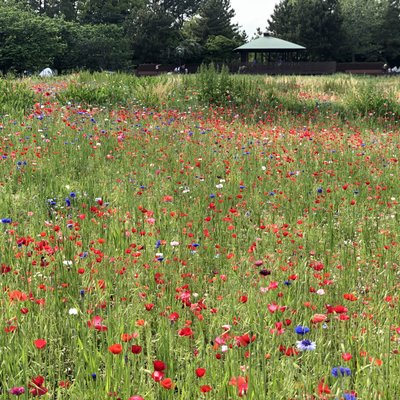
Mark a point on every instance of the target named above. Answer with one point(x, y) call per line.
point(123, 33)
point(341, 30)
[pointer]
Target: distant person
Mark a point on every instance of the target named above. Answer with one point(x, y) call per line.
point(385, 68)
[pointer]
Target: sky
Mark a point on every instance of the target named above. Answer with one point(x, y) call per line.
point(251, 14)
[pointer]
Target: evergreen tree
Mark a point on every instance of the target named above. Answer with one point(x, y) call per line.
point(214, 31)
point(215, 19)
point(104, 11)
point(315, 24)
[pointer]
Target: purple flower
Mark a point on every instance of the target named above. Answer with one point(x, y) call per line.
point(18, 390)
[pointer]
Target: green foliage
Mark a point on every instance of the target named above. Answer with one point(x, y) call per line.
point(27, 41)
point(369, 100)
point(321, 34)
point(99, 90)
point(390, 33)
point(15, 97)
point(362, 26)
point(341, 30)
point(104, 12)
point(214, 85)
point(109, 48)
point(153, 34)
point(220, 49)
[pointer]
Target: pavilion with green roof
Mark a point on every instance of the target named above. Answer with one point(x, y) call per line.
point(265, 47)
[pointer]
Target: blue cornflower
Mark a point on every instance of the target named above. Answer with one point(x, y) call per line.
point(6, 220)
point(301, 330)
point(82, 293)
point(94, 376)
point(305, 345)
point(349, 396)
point(341, 371)
point(67, 202)
point(72, 194)
point(320, 190)
point(212, 196)
point(158, 244)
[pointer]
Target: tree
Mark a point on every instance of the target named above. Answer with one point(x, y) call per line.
point(362, 28)
point(104, 11)
point(153, 34)
point(390, 33)
point(214, 31)
point(215, 19)
point(27, 40)
point(315, 24)
point(109, 48)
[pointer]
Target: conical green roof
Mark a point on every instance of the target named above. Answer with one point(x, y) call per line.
point(267, 42)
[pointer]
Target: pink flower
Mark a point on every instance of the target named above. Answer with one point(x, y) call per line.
point(18, 390)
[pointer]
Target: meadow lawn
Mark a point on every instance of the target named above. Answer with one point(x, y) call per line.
point(194, 237)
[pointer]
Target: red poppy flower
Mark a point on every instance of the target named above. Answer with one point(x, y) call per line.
point(205, 389)
point(36, 385)
point(200, 372)
point(37, 380)
point(126, 337)
point(347, 356)
point(241, 383)
point(157, 376)
point(17, 295)
point(159, 365)
point(243, 299)
point(350, 297)
point(244, 340)
point(185, 332)
point(173, 316)
point(40, 343)
point(336, 309)
point(115, 348)
point(136, 349)
point(318, 318)
point(323, 388)
point(167, 383)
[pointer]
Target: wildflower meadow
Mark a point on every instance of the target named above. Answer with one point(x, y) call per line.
point(193, 237)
